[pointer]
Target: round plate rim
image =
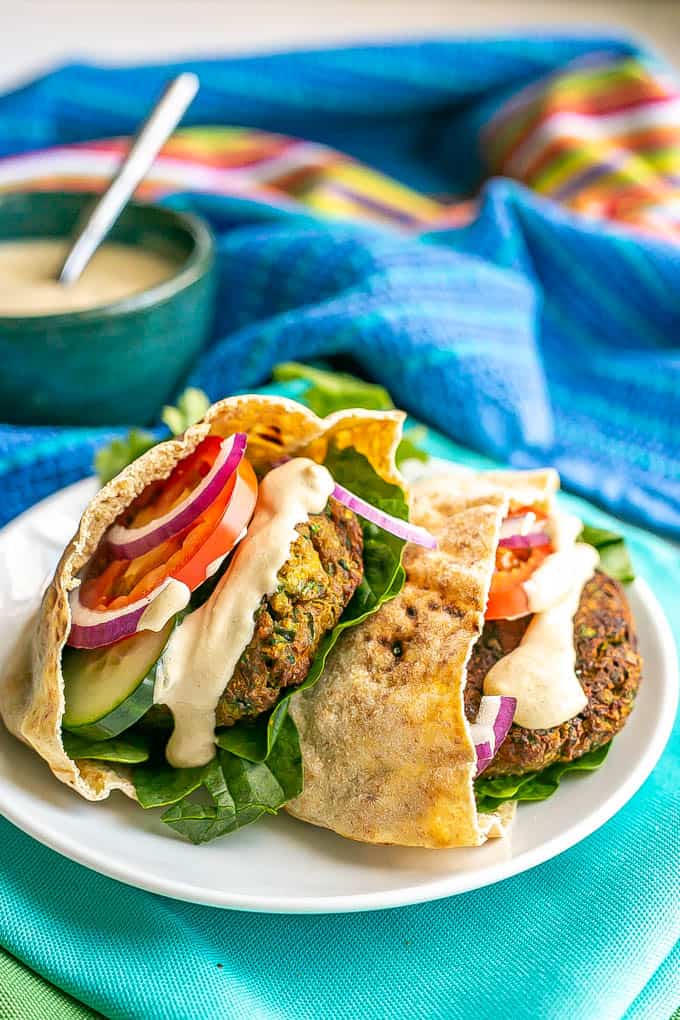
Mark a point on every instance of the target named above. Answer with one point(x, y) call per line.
point(456, 883)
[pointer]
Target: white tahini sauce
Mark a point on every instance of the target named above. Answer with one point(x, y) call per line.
point(204, 650)
point(174, 597)
point(540, 671)
point(29, 269)
point(552, 581)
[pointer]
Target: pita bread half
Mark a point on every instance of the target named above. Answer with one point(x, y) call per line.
point(387, 751)
point(32, 689)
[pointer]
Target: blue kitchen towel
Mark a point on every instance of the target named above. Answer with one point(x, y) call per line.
point(590, 935)
point(531, 335)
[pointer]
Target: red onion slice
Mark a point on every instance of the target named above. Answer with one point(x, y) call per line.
point(491, 727)
point(519, 531)
point(395, 526)
point(525, 541)
point(484, 755)
point(127, 543)
point(91, 628)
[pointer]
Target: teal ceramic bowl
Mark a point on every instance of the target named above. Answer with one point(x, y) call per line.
point(117, 363)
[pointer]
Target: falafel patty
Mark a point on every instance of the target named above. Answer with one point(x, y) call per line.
point(608, 667)
point(323, 571)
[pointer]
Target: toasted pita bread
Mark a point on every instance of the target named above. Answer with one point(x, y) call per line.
point(32, 689)
point(387, 751)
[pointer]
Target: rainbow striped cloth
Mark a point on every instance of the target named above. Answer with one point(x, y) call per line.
point(601, 135)
point(285, 173)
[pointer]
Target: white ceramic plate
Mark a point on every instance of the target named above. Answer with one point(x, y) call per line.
point(281, 865)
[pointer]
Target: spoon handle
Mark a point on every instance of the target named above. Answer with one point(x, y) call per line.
point(150, 137)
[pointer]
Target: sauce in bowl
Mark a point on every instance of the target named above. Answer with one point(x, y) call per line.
point(28, 271)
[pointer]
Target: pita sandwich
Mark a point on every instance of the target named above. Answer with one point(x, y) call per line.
point(388, 753)
point(32, 689)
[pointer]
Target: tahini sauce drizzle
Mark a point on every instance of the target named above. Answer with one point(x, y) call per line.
point(552, 581)
point(540, 671)
point(204, 650)
point(172, 600)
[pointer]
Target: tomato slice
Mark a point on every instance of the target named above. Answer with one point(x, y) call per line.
point(160, 497)
point(186, 556)
point(507, 596)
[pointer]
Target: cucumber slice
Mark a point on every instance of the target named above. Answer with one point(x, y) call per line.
point(108, 689)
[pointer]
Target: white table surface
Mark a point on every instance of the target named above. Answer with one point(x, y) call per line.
point(35, 34)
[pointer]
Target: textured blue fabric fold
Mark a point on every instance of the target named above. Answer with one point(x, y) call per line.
point(532, 335)
point(587, 936)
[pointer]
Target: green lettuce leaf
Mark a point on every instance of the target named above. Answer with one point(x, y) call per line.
point(111, 459)
point(614, 556)
point(333, 391)
point(493, 791)
point(336, 391)
point(130, 749)
point(412, 446)
point(191, 407)
point(116, 455)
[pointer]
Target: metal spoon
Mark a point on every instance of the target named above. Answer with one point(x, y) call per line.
point(152, 134)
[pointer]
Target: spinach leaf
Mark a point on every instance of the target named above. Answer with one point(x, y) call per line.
point(493, 791)
point(383, 579)
point(158, 785)
point(228, 793)
point(130, 749)
point(614, 556)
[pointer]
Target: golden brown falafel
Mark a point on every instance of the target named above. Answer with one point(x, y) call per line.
point(323, 571)
point(608, 666)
